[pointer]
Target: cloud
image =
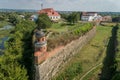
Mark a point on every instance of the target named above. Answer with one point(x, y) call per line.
point(69, 5)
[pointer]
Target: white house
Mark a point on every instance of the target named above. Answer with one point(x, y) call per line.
point(34, 17)
point(90, 16)
point(52, 14)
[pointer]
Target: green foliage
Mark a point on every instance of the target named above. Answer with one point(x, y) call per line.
point(14, 18)
point(72, 71)
point(16, 63)
point(64, 37)
point(117, 55)
point(83, 29)
point(64, 16)
point(73, 17)
point(3, 23)
point(116, 19)
point(43, 21)
point(116, 77)
point(11, 70)
point(90, 55)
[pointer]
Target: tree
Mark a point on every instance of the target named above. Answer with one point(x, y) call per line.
point(116, 76)
point(14, 18)
point(16, 63)
point(11, 70)
point(73, 17)
point(116, 19)
point(43, 21)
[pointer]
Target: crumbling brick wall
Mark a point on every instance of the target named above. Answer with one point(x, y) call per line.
point(52, 65)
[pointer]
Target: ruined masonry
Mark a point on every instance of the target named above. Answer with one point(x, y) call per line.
point(40, 47)
point(46, 68)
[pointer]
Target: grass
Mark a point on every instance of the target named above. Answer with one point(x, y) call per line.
point(108, 68)
point(91, 54)
point(63, 27)
point(58, 27)
point(61, 35)
point(116, 75)
point(94, 74)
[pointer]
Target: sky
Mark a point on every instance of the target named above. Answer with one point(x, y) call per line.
point(64, 5)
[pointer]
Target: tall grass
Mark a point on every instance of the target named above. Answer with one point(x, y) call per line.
point(72, 71)
point(58, 38)
point(89, 56)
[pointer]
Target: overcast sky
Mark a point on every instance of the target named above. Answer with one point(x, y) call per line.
point(64, 5)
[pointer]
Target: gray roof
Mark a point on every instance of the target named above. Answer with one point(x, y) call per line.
point(39, 34)
point(40, 44)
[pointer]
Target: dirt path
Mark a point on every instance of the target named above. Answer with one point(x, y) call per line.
point(90, 71)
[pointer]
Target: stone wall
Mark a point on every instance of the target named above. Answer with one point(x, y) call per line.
point(52, 65)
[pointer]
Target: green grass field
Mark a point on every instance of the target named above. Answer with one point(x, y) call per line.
point(89, 56)
point(63, 27)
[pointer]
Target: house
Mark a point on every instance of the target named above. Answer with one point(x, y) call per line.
point(90, 16)
point(34, 17)
point(106, 19)
point(52, 14)
point(22, 17)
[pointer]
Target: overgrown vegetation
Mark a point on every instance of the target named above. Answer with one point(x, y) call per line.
point(90, 55)
point(117, 56)
point(72, 33)
point(109, 62)
point(43, 21)
point(16, 63)
point(72, 18)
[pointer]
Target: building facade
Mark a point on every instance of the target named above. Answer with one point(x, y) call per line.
point(51, 13)
point(90, 16)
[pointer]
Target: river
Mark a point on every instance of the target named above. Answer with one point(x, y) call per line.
point(2, 40)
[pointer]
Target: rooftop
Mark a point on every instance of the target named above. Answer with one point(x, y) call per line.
point(40, 44)
point(39, 34)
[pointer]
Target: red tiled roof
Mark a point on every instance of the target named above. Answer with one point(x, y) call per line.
point(49, 12)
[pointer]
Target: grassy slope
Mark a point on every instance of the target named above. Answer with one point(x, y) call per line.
point(64, 33)
point(91, 54)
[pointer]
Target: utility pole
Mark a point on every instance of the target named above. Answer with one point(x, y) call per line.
point(41, 4)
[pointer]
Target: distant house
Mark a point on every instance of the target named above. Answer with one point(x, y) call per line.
point(22, 16)
point(34, 17)
point(52, 14)
point(106, 19)
point(90, 16)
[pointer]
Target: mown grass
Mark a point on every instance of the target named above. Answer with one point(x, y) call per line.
point(90, 55)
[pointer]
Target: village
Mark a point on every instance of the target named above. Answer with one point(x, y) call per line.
point(59, 43)
point(41, 45)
